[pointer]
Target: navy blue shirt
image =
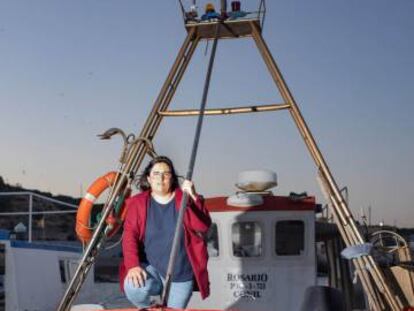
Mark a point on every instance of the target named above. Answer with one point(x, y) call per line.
point(159, 235)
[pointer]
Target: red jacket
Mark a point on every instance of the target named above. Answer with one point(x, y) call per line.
point(196, 223)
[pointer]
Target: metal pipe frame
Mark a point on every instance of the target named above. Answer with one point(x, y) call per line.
point(224, 111)
point(166, 94)
point(134, 158)
point(137, 151)
point(189, 175)
point(374, 300)
point(339, 203)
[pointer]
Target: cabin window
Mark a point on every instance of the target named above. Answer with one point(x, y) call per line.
point(212, 241)
point(290, 238)
point(247, 239)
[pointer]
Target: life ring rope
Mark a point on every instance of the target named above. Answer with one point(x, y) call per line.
point(84, 229)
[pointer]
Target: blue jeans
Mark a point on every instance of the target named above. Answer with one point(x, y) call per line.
point(180, 292)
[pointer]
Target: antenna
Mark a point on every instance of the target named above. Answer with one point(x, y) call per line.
point(369, 215)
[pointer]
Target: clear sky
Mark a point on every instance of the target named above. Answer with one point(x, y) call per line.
point(71, 69)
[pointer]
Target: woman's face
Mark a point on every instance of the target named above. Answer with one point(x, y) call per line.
point(160, 179)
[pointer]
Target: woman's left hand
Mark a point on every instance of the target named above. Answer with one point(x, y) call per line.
point(189, 188)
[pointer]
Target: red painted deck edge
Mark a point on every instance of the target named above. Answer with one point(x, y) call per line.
point(159, 309)
point(271, 203)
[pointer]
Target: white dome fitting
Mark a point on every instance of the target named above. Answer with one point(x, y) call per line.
point(256, 180)
point(243, 199)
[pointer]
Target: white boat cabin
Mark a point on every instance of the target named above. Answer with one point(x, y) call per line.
point(261, 257)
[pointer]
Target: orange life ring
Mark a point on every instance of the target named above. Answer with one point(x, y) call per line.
point(84, 230)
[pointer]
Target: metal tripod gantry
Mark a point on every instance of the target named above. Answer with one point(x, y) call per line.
point(378, 291)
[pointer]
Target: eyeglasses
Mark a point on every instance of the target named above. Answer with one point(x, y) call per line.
point(157, 174)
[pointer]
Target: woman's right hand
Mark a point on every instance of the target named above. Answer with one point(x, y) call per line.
point(137, 276)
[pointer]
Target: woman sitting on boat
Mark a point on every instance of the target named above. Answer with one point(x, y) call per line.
point(148, 234)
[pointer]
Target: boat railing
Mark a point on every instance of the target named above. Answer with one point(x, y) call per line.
point(30, 212)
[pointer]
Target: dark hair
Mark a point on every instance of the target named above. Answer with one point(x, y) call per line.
point(143, 182)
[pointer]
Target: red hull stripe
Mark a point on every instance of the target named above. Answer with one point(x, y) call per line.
point(160, 309)
point(270, 203)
